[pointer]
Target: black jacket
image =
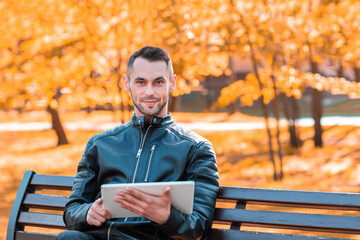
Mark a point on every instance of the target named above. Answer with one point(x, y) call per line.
point(163, 151)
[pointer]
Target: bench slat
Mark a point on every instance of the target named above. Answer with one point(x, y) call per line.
point(41, 201)
point(42, 220)
point(298, 221)
point(344, 201)
point(52, 182)
point(217, 234)
point(20, 235)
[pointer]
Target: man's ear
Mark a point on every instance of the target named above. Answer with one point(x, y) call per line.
point(173, 83)
point(125, 80)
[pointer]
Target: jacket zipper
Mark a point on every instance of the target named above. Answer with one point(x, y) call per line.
point(109, 229)
point(142, 142)
point(138, 155)
point(148, 168)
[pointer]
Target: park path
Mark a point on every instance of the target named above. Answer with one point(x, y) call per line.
point(218, 126)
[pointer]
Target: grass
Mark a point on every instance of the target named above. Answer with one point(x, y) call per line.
point(242, 156)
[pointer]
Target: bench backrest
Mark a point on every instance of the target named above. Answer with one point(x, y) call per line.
point(236, 208)
point(38, 210)
point(323, 213)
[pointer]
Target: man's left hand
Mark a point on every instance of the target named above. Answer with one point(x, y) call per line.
point(156, 209)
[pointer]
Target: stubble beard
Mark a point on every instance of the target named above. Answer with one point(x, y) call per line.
point(149, 111)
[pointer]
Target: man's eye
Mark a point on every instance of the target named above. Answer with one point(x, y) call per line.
point(159, 82)
point(140, 82)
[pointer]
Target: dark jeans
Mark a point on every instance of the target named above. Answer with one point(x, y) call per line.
point(74, 235)
point(119, 231)
point(96, 235)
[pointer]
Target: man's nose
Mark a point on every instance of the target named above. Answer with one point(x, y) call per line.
point(149, 90)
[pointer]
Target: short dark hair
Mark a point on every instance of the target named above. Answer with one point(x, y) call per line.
point(151, 54)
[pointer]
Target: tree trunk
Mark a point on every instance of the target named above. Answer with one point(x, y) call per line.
point(233, 107)
point(291, 118)
point(122, 110)
point(120, 90)
point(295, 116)
point(57, 126)
point(121, 105)
point(88, 109)
point(357, 74)
point(265, 111)
point(317, 110)
point(128, 106)
point(277, 116)
point(263, 105)
point(317, 114)
point(340, 69)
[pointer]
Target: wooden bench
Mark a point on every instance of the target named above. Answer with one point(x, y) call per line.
point(32, 208)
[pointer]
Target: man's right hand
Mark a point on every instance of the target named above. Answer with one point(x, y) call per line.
point(97, 215)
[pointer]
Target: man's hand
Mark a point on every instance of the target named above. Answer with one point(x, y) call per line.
point(97, 215)
point(156, 209)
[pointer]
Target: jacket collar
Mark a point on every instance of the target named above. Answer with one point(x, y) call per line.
point(155, 120)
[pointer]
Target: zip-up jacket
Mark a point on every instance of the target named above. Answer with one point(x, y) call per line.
point(132, 153)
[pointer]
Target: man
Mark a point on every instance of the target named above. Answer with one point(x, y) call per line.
point(149, 148)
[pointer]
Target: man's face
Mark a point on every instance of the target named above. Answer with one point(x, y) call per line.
point(149, 85)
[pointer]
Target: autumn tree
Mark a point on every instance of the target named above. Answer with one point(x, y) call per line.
point(323, 30)
point(72, 55)
point(35, 43)
point(280, 37)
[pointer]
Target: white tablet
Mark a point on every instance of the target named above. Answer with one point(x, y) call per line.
point(182, 196)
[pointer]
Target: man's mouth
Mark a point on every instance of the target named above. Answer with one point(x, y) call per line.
point(150, 102)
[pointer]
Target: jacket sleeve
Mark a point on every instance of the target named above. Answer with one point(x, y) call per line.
point(202, 169)
point(84, 191)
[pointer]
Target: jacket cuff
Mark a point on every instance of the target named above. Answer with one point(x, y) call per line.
point(86, 210)
point(78, 219)
point(171, 226)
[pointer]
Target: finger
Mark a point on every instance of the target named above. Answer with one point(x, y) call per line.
point(140, 199)
point(166, 196)
point(166, 191)
point(117, 199)
point(108, 214)
point(94, 222)
point(94, 219)
point(101, 211)
point(99, 217)
point(97, 209)
point(98, 202)
point(126, 200)
point(104, 213)
point(120, 193)
point(136, 193)
point(124, 203)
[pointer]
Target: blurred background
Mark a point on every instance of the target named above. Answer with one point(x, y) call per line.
point(273, 84)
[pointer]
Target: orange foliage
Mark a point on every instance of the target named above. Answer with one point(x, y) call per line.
point(281, 37)
point(289, 81)
point(73, 53)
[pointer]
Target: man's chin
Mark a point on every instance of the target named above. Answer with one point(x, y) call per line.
point(150, 112)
